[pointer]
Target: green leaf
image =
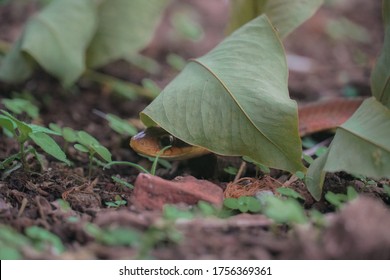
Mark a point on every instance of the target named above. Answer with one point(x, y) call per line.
point(19, 105)
point(102, 151)
point(336, 199)
point(151, 86)
point(176, 61)
point(24, 129)
point(87, 139)
point(81, 148)
point(121, 126)
point(171, 212)
point(58, 37)
point(42, 237)
point(7, 123)
point(125, 27)
point(231, 170)
point(315, 176)
point(289, 192)
point(387, 189)
point(285, 15)
point(49, 145)
point(380, 76)
point(37, 128)
point(231, 103)
point(231, 203)
point(361, 146)
point(16, 66)
point(69, 134)
point(284, 211)
point(55, 127)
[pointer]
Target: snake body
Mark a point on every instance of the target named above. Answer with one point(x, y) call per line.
point(313, 117)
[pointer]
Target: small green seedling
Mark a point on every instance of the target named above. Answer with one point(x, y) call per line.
point(11, 243)
point(122, 182)
point(120, 236)
point(231, 170)
point(151, 86)
point(243, 204)
point(19, 106)
point(186, 27)
point(288, 192)
point(339, 199)
point(260, 166)
point(171, 212)
point(23, 133)
point(202, 209)
point(284, 210)
point(117, 203)
point(86, 143)
point(44, 240)
point(176, 61)
point(121, 126)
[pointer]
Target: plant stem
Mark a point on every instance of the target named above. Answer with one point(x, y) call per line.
point(23, 156)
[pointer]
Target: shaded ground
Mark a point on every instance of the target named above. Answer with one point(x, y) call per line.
point(337, 66)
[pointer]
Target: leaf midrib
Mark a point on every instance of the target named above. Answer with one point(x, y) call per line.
point(238, 104)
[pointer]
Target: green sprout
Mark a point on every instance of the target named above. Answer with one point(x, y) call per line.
point(243, 204)
point(288, 192)
point(88, 144)
point(23, 133)
point(19, 106)
point(339, 199)
point(119, 125)
point(117, 203)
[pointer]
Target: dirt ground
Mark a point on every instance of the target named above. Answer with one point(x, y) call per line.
point(337, 66)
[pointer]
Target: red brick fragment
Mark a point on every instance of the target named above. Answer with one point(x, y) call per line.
point(152, 192)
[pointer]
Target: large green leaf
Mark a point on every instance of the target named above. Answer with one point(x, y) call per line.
point(380, 77)
point(16, 65)
point(124, 28)
point(234, 100)
point(56, 38)
point(361, 146)
point(285, 15)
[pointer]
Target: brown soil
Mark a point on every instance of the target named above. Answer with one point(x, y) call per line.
point(28, 198)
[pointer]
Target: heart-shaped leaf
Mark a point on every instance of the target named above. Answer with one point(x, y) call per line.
point(361, 146)
point(234, 100)
point(380, 77)
point(285, 15)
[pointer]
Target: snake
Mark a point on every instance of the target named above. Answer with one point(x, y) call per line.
point(313, 117)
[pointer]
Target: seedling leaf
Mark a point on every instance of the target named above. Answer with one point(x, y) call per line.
point(49, 146)
point(81, 148)
point(19, 105)
point(121, 126)
point(284, 211)
point(102, 151)
point(289, 193)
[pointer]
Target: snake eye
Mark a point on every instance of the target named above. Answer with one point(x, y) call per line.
point(166, 140)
